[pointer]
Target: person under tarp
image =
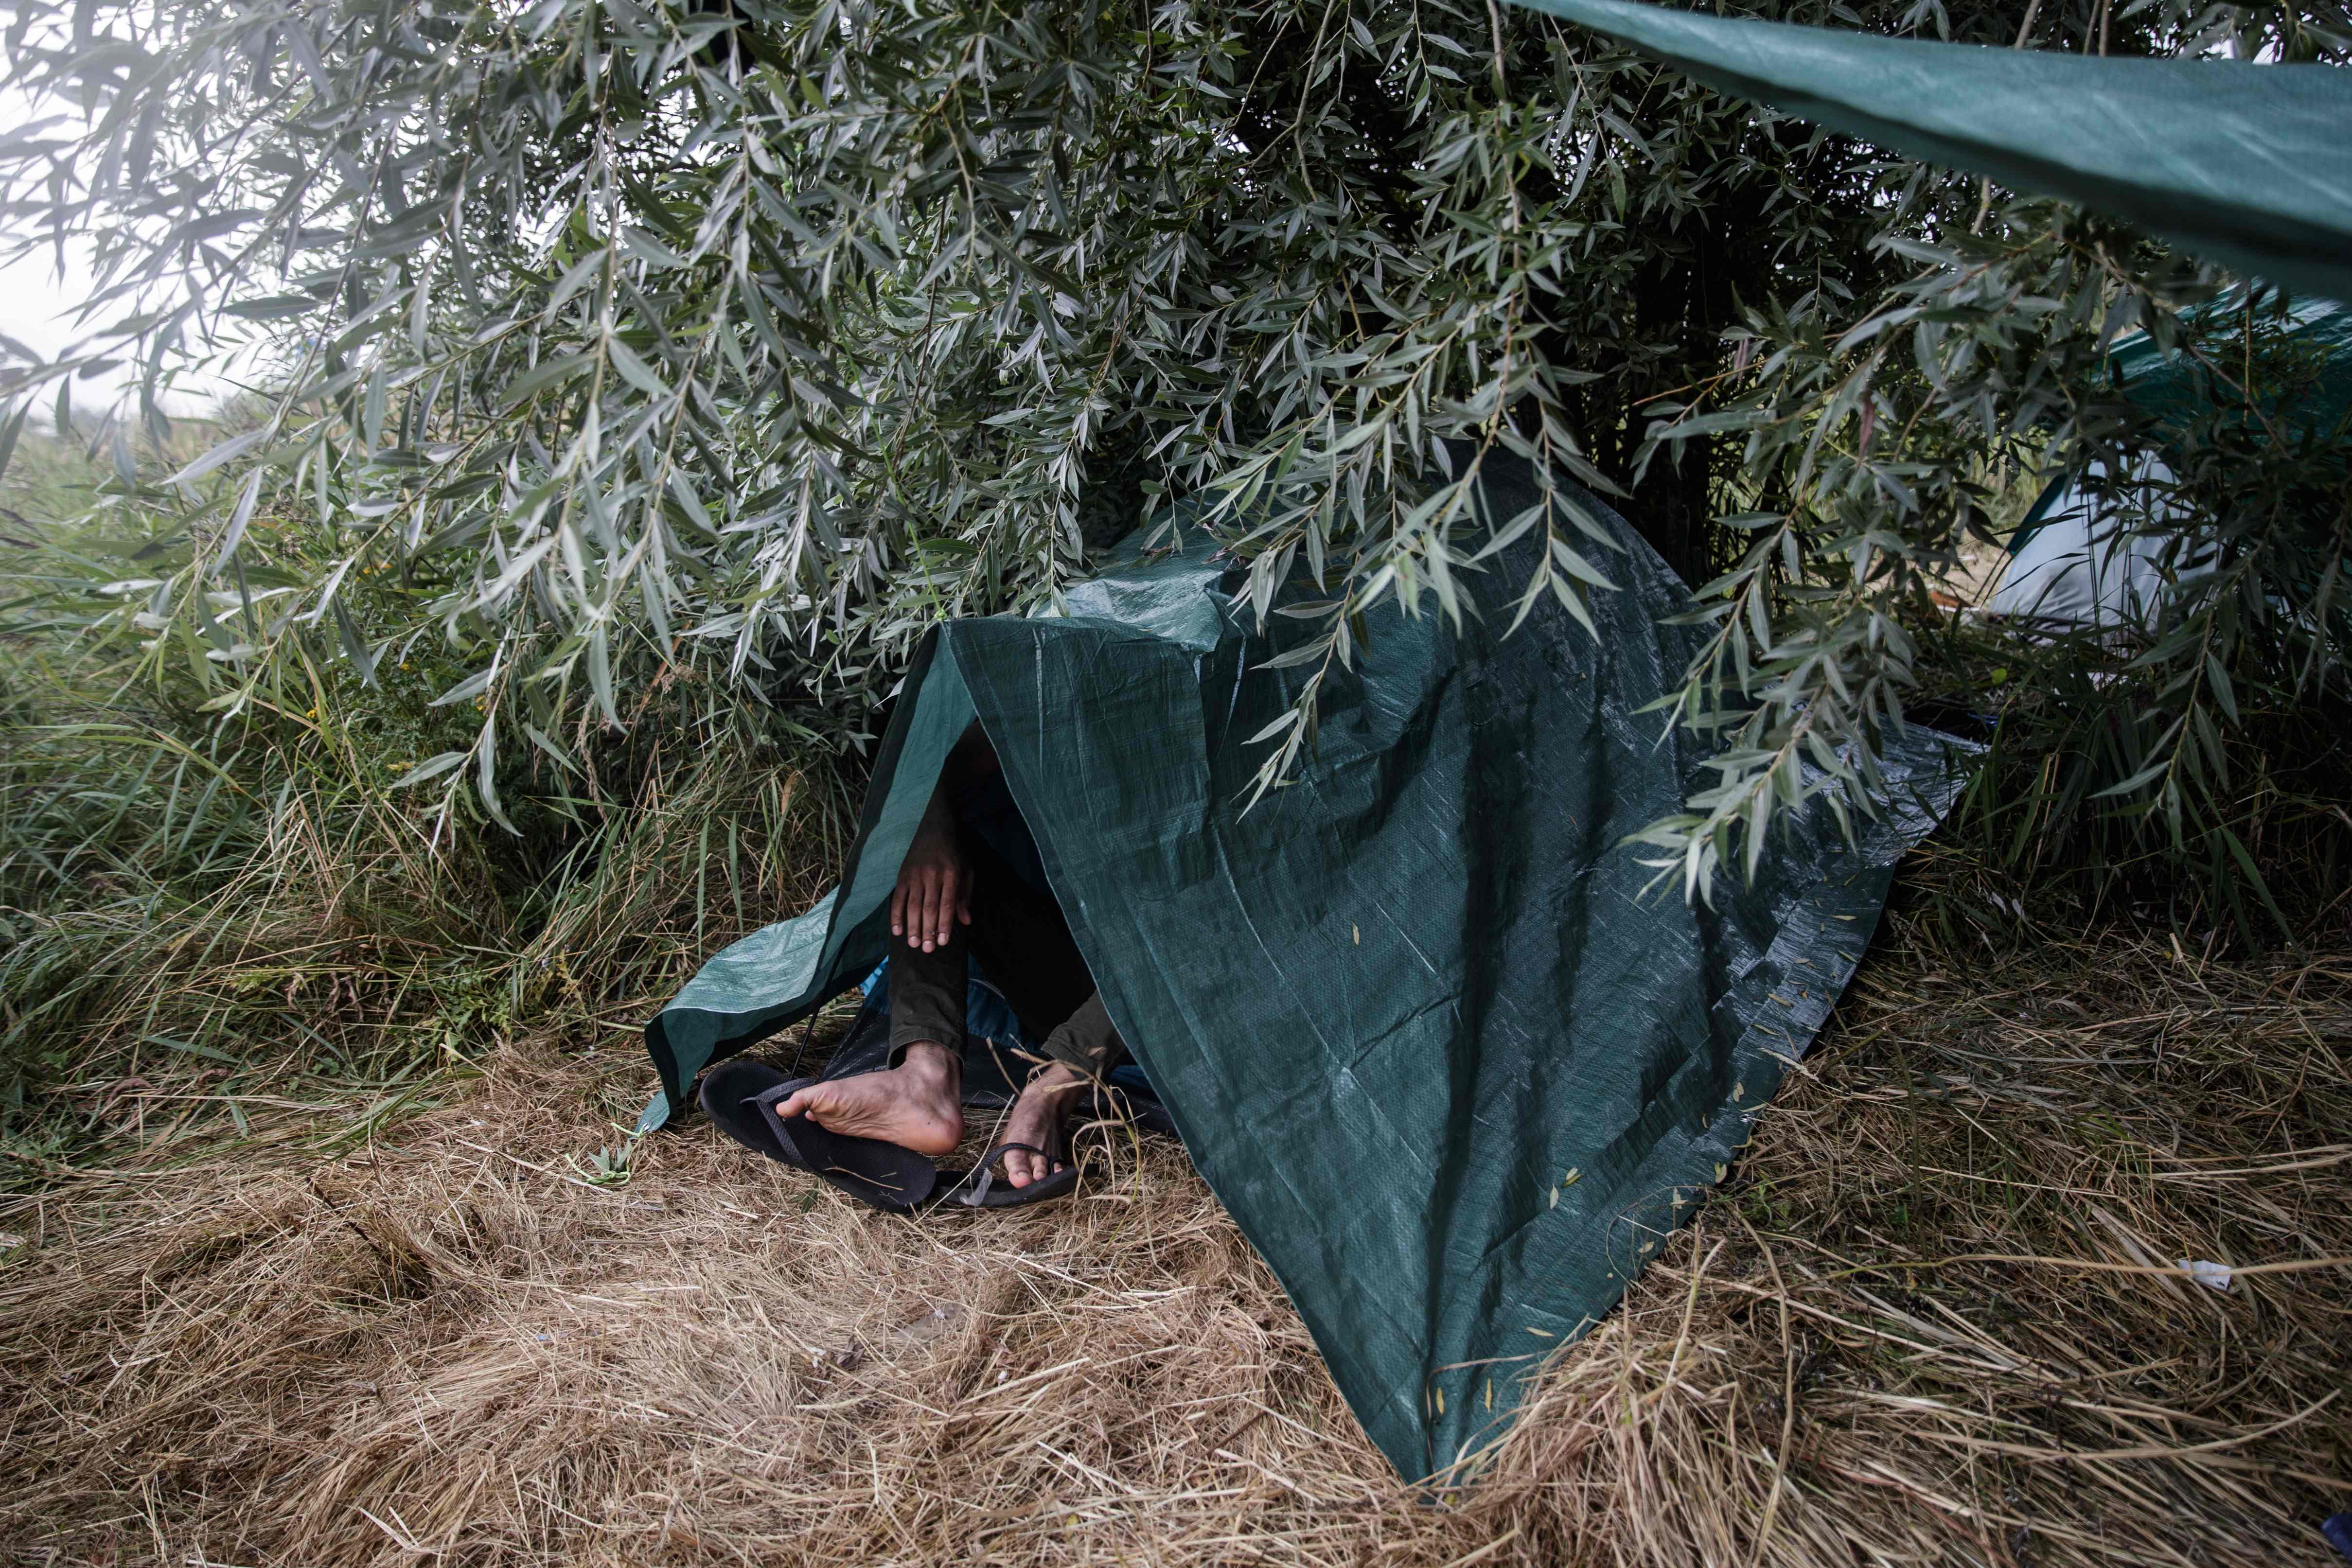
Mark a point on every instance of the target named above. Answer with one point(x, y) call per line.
point(1448, 1053)
point(971, 886)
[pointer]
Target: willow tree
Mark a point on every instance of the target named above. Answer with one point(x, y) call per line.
point(750, 337)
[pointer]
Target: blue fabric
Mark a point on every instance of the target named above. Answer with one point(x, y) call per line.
point(986, 1014)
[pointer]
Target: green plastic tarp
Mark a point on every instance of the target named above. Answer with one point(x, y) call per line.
point(1449, 1057)
point(2242, 162)
point(2177, 389)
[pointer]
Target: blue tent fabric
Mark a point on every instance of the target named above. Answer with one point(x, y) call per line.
point(1450, 1057)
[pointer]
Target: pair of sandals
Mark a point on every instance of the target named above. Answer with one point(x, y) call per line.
point(740, 1099)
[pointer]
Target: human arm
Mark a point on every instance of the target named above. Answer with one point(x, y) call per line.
point(934, 891)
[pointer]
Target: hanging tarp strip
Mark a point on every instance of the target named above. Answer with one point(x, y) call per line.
point(2243, 163)
point(1448, 1052)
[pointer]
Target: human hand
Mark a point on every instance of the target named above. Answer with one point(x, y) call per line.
point(934, 891)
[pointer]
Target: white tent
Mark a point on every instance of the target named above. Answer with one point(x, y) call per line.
point(2084, 565)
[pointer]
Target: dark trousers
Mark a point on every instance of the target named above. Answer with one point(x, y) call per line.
point(1019, 933)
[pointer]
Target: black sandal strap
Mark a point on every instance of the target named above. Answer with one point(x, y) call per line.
point(984, 1173)
point(763, 1105)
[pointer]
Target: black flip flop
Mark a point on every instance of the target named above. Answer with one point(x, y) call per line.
point(740, 1099)
point(983, 1190)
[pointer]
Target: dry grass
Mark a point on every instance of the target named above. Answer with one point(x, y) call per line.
point(1917, 1329)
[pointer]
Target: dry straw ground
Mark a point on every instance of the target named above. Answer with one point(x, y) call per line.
point(1919, 1327)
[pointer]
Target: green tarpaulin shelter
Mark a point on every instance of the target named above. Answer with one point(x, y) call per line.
point(1449, 1057)
point(1452, 1061)
point(2178, 390)
point(2242, 162)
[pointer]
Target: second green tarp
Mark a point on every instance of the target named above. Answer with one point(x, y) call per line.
point(2243, 163)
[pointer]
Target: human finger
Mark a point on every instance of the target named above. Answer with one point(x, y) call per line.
point(898, 908)
point(946, 904)
point(924, 919)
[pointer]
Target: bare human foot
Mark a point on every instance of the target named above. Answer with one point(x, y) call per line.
point(1037, 1118)
point(918, 1104)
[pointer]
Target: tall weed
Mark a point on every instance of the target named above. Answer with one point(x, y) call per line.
point(235, 900)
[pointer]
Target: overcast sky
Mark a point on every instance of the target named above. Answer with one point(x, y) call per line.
point(36, 303)
point(37, 308)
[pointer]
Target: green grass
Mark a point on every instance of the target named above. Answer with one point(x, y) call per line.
point(231, 910)
point(233, 914)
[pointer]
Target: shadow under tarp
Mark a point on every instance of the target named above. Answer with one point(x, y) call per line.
point(1451, 1061)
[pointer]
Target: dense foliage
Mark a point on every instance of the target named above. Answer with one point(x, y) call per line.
point(608, 343)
